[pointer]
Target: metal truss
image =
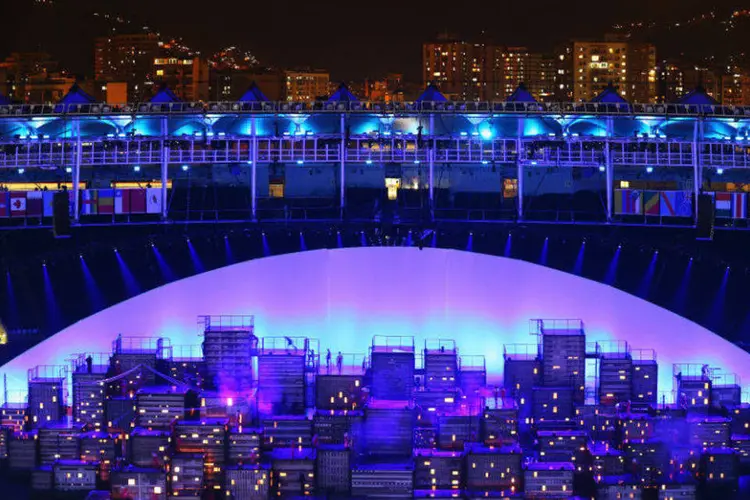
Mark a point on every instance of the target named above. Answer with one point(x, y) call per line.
point(365, 150)
point(406, 108)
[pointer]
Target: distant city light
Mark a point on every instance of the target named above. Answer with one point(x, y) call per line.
point(136, 168)
point(486, 133)
point(719, 171)
point(185, 168)
point(649, 169)
point(21, 171)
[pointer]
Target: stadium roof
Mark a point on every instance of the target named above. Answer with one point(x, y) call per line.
point(432, 94)
point(76, 95)
point(253, 94)
point(610, 96)
point(343, 94)
point(521, 95)
point(697, 96)
point(164, 95)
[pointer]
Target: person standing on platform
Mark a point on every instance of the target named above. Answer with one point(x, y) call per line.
point(89, 364)
point(290, 345)
point(118, 343)
point(340, 362)
point(328, 360)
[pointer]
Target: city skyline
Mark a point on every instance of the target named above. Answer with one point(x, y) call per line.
point(353, 44)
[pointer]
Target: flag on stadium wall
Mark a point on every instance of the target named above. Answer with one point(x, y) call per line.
point(122, 201)
point(17, 204)
point(48, 200)
point(4, 204)
point(739, 206)
point(89, 202)
point(628, 201)
point(153, 200)
point(651, 202)
point(106, 202)
point(34, 204)
point(667, 203)
point(723, 204)
point(137, 200)
point(684, 204)
point(676, 204)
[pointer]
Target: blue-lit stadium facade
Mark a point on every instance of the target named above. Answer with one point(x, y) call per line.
point(450, 153)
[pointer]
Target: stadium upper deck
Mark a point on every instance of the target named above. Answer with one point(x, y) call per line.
point(696, 134)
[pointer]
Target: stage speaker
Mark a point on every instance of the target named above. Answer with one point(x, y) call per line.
point(705, 223)
point(61, 215)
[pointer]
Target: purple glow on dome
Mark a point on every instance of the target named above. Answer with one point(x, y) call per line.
point(344, 297)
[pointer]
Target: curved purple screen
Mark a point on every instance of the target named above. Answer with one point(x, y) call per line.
point(345, 297)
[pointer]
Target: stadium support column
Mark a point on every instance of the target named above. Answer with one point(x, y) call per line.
point(431, 157)
point(697, 174)
point(519, 165)
point(77, 173)
point(342, 154)
point(609, 169)
point(254, 170)
point(164, 166)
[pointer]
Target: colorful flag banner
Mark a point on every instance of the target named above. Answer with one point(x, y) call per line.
point(34, 204)
point(106, 201)
point(122, 201)
point(651, 202)
point(676, 204)
point(628, 201)
point(739, 205)
point(48, 200)
point(153, 200)
point(723, 205)
point(4, 204)
point(137, 201)
point(17, 204)
point(89, 202)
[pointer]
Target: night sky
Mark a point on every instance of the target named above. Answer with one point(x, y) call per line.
point(351, 39)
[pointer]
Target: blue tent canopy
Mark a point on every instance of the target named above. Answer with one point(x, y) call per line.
point(253, 94)
point(521, 95)
point(164, 95)
point(343, 94)
point(610, 96)
point(432, 94)
point(76, 95)
point(4, 101)
point(697, 97)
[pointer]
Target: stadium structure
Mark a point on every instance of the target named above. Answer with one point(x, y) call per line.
point(391, 370)
point(601, 161)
